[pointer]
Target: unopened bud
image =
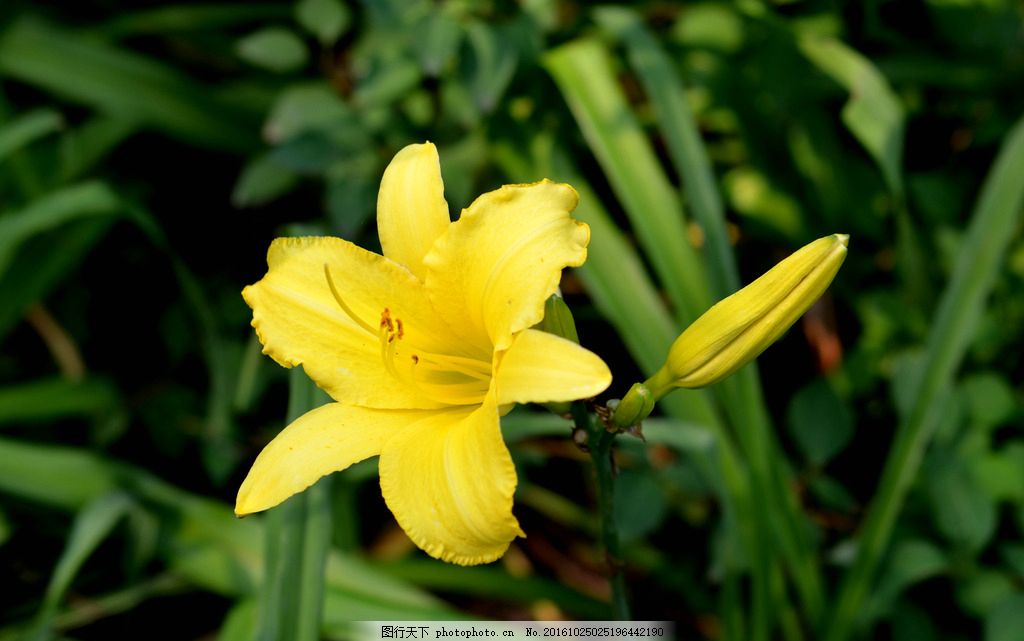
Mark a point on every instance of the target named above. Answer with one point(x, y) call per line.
point(558, 319)
point(740, 327)
point(634, 407)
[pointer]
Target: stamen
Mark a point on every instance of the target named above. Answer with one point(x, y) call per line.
point(391, 330)
point(341, 303)
point(471, 368)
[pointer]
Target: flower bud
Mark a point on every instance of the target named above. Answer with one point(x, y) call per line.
point(634, 407)
point(735, 330)
point(558, 319)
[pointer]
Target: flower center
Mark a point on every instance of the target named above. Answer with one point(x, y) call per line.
point(445, 378)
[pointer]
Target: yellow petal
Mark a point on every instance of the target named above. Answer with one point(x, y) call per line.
point(411, 209)
point(299, 321)
point(541, 367)
point(449, 481)
point(321, 441)
point(495, 266)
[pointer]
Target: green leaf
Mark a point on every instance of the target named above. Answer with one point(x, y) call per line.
point(910, 562)
point(25, 129)
point(873, 114)
point(50, 211)
point(832, 494)
point(438, 40)
point(584, 73)
point(42, 263)
point(387, 83)
point(92, 525)
point(763, 204)
point(492, 581)
point(274, 48)
point(989, 397)
point(495, 59)
point(1005, 622)
point(980, 593)
point(240, 623)
point(351, 193)
point(195, 17)
point(325, 19)
point(297, 541)
point(909, 622)
point(261, 181)
point(964, 512)
point(204, 541)
point(83, 147)
point(1013, 558)
point(995, 217)
point(1001, 473)
point(5, 528)
point(709, 25)
point(819, 422)
point(120, 82)
point(304, 108)
point(639, 504)
point(54, 398)
point(741, 396)
point(677, 123)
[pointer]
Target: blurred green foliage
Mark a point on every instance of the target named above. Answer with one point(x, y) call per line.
point(870, 486)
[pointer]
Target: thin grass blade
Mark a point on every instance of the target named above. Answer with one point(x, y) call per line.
point(25, 129)
point(583, 71)
point(996, 217)
point(91, 527)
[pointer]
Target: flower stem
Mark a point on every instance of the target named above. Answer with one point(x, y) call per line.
point(599, 442)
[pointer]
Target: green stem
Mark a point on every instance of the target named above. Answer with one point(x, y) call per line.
point(600, 442)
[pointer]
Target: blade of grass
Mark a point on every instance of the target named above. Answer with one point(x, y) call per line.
point(53, 398)
point(83, 147)
point(204, 541)
point(92, 525)
point(606, 122)
point(184, 18)
point(677, 124)
point(493, 582)
point(240, 623)
point(583, 72)
point(994, 220)
point(876, 117)
point(873, 113)
point(297, 538)
point(25, 129)
point(50, 211)
point(122, 83)
point(42, 263)
point(740, 395)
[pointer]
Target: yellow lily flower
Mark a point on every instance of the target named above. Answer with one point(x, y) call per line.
point(423, 349)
